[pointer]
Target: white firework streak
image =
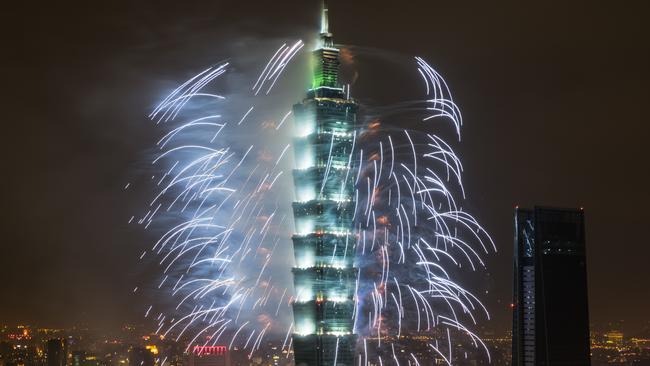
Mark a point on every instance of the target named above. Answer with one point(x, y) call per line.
point(413, 236)
point(419, 237)
point(218, 192)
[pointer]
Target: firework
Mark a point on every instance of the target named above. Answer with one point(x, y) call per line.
point(223, 209)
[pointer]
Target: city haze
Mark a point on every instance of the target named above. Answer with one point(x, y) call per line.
point(552, 96)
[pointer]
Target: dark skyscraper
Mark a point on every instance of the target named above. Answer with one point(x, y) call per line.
point(140, 356)
point(550, 318)
point(57, 352)
point(323, 242)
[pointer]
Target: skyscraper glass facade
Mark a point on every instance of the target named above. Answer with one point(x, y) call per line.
point(551, 317)
point(324, 245)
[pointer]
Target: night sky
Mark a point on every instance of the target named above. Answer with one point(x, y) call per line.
point(554, 98)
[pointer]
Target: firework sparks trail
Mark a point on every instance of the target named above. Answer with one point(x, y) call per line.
point(420, 236)
point(217, 186)
point(220, 186)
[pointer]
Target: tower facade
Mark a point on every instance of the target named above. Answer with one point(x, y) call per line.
point(324, 244)
point(550, 317)
point(57, 352)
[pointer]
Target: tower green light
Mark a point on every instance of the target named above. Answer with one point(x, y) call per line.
point(323, 243)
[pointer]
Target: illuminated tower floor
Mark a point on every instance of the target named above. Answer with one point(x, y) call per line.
point(324, 247)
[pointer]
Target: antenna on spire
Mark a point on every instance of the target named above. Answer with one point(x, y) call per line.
point(324, 22)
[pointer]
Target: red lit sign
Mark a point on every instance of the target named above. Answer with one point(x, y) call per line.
point(209, 350)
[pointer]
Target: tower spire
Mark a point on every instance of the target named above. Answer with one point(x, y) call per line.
point(324, 22)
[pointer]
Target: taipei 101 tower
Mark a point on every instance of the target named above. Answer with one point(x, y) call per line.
point(323, 243)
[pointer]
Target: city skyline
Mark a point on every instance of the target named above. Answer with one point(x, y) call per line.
point(54, 252)
point(87, 347)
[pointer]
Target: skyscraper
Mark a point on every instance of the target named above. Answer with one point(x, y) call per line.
point(550, 317)
point(140, 356)
point(57, 350)
point(323, 242)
